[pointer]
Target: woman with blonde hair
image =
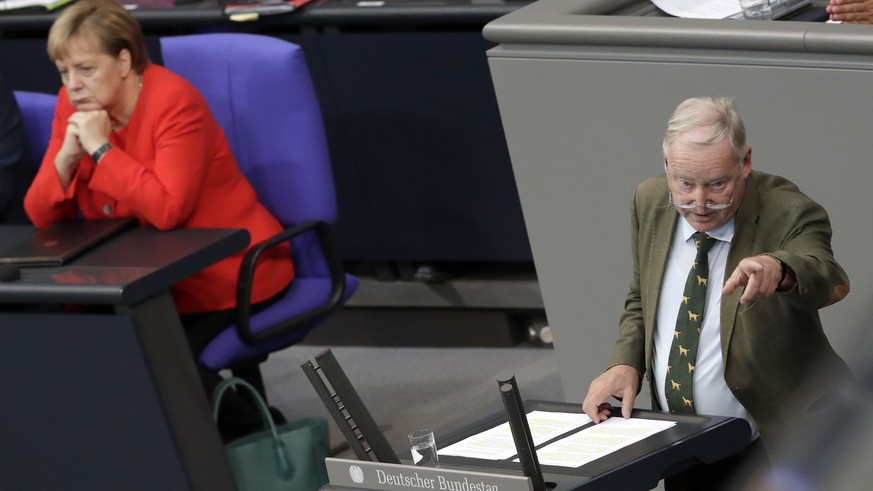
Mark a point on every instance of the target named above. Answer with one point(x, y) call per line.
point(133, 139)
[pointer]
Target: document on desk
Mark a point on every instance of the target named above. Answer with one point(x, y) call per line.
point(497, 443)
point(700, 9)
point(599, 440)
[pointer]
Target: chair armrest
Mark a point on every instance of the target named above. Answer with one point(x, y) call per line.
point(246, 275)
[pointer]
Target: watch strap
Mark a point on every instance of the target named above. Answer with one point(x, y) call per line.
point(98, 154)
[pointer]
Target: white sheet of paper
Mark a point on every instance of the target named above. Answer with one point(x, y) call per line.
point(700, 9)
point(497, 444)
point(599, 440)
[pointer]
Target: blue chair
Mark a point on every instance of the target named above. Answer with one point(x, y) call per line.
point(37, 112)
point(259, 90)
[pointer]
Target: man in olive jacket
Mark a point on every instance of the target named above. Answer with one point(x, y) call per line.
point(771, 270)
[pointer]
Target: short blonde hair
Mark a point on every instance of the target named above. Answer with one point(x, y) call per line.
point(717, 113)
point(113, 27)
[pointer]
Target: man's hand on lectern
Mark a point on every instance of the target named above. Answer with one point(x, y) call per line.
point(851, 11)
point(619, 381)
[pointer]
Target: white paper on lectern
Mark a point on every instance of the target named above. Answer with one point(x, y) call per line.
point(497, 443)
point(599, 440)
point(700, 9)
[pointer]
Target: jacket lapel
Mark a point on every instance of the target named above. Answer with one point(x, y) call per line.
point(742, 246)
point(663, 225)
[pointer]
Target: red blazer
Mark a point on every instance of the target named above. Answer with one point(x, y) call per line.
point(171, 166)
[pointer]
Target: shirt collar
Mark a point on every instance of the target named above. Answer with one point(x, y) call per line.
point(724, 233)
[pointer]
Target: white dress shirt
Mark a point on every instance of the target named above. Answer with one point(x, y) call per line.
point(710, 391)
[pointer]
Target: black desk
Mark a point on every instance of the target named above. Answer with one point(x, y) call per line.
point(189, 15)
point(108, 401)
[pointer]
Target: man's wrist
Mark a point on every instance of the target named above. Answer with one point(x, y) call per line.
point(781, 265)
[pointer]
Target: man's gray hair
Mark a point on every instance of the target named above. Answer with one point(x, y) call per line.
point(717, 113)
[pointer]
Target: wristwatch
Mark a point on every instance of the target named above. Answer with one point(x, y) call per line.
point(98, 154)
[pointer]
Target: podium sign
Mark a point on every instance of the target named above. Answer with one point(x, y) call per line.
point(361, 474)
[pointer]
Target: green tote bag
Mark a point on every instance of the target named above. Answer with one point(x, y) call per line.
point(285, 458)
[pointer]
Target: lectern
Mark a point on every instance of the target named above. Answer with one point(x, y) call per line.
point(693, 439)
point(108, 400)
point(637, 467)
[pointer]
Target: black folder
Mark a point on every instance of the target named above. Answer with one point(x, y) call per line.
point(62, 241)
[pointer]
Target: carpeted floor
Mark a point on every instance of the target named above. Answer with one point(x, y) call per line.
point(410, 388)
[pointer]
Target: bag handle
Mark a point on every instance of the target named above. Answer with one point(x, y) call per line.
point(285, 467)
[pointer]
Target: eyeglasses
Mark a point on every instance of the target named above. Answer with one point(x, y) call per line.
point(708, 206)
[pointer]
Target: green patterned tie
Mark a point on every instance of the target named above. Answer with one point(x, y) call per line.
point(683, 353)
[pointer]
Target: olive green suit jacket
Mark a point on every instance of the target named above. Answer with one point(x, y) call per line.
point(772, 348)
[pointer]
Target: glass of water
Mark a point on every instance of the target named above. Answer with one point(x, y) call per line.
point(424, 450)
point(757, 9)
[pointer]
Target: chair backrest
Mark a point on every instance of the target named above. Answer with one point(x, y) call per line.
point(37, 111)
point(260, 92)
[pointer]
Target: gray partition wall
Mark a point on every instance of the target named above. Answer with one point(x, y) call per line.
point(584, 101)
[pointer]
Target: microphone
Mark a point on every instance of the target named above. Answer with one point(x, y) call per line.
point(527, 453)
